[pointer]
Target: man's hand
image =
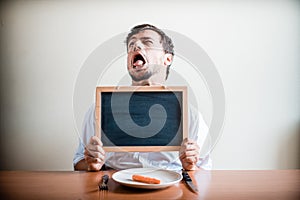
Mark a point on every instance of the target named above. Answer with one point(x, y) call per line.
point(94, 154)
point(189, 154)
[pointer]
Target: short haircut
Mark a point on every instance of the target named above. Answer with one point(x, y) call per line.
point(166, 41)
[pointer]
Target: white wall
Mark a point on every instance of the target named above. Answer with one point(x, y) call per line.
point(255, 46)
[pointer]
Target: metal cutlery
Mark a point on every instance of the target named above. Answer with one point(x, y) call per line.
point(103, 184)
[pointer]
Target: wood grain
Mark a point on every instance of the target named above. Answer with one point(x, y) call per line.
point(256, 184)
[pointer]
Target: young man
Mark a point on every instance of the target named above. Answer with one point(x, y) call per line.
point(149, 57)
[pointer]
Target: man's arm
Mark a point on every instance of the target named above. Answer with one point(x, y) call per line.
point(94, 156)
point(189, 153)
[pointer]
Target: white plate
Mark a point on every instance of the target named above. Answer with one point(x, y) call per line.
point(166, 177)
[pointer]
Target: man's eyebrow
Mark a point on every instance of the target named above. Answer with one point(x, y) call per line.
point(146, 38)
point(132, 38)
point(142, 38)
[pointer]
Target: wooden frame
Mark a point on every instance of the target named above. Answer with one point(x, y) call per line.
point(182, 90)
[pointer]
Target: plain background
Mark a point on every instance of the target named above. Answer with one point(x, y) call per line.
point(255, 46)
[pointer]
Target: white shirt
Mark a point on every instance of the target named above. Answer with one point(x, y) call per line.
point(198, 131)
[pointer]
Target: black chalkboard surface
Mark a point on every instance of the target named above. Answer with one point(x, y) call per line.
point(141, 118)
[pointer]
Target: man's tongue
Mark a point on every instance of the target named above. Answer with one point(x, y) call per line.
point(138, 63)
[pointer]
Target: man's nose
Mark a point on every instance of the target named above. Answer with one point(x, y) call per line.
point(137, 46)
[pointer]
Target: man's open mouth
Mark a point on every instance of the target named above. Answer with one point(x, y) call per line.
point(138, 60)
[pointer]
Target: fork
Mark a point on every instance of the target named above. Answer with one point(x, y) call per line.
point(103, 185)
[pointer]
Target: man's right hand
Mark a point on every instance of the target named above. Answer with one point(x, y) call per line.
point(94, 154)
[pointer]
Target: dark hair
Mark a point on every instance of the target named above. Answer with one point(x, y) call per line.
point(165, 40)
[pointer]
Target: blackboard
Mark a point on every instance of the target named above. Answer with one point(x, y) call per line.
point(147, 118)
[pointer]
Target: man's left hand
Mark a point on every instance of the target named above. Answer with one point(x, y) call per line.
point(189, 154)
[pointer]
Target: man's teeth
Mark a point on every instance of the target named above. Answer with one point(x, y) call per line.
point(138, 63)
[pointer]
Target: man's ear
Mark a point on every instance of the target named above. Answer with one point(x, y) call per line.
point(168, 59)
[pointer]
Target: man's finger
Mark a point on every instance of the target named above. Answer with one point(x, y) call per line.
point(95, 141)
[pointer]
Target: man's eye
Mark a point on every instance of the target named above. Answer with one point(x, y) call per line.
point(148, 42)
point(130, 44)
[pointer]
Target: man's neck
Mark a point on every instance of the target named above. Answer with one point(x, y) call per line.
point(147, 82)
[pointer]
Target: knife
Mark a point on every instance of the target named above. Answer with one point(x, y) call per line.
point(187, 179)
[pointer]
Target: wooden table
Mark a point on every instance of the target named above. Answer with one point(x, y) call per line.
point(269, 184)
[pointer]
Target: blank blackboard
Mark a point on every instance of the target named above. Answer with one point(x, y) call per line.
point(144, 118)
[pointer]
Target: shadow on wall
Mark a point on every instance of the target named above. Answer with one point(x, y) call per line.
point(289, 152)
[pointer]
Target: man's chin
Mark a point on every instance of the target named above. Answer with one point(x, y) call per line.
point(142, 77)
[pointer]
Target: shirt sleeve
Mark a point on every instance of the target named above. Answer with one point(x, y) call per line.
point(88, 131)
point(198, 131)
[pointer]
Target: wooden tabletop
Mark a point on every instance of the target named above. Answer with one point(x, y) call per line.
point(215, 184)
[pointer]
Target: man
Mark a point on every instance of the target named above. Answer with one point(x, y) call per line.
point(149, 57)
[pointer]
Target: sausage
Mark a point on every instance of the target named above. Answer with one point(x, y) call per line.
point(145, 179)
